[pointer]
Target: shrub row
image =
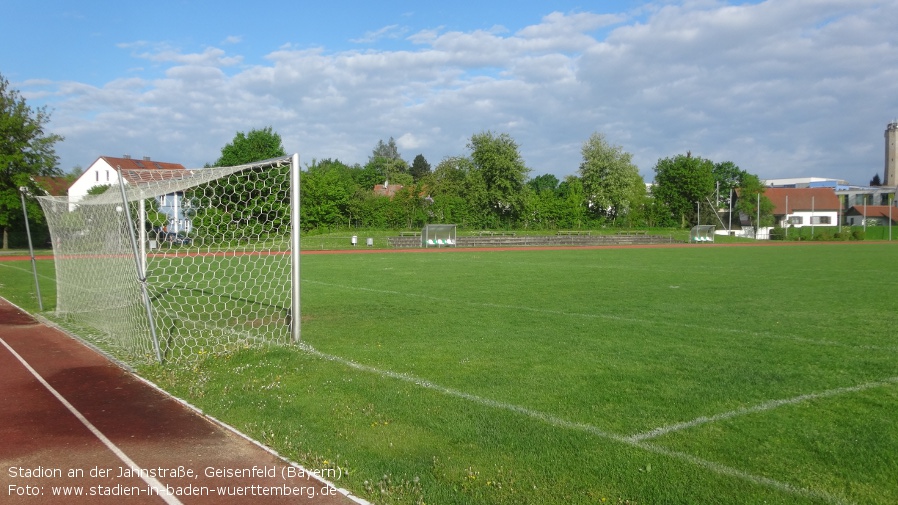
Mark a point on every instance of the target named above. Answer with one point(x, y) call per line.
point(820, 234)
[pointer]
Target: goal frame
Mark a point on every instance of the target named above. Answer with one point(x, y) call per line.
point(129, 202)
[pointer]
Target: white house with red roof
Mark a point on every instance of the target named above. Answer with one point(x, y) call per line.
point(797, 207)
point(104, 172)
point(871, 215)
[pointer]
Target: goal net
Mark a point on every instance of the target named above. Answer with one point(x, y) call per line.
point(177, 263)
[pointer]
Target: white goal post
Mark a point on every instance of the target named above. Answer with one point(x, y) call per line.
point(178, 263)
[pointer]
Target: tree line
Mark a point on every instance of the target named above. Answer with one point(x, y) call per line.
point(490, 188)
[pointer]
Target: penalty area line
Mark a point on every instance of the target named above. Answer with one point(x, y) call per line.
point(151, 481)
point(762, 407)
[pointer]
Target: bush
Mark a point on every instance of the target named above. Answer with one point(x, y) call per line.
point(778, 234)
point(823, 236)
point(842, 235)
point(858, 234)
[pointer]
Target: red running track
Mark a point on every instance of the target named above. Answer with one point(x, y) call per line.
point(72, 420)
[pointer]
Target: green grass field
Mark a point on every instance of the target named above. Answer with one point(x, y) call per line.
point(702, 374)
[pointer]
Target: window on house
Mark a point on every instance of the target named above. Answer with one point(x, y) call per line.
point(795, 220)
point(97, 174)
point(107, 176)
point(820, 220)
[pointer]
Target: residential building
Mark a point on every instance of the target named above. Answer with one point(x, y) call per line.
point(104, 172)
point(797, 207)
point(871, 215)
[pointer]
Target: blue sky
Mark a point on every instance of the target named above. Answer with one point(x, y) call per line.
point(783, 88)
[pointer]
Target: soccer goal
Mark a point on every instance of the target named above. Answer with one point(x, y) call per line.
point(228, 279)
point(439, 235)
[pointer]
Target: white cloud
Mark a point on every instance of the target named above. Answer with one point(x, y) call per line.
point(387, 32)
point(780, 88)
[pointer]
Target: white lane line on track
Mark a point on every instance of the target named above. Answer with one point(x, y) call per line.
point(157, 486)
point(768, 405)
point(558, 422)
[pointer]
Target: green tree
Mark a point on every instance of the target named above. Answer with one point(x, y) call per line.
point(727, 177)
point(751, 196)
point(544, 183)
point(610, 179)
point(420, 168)
point(388, 164)
point(257, 145)
point(386, 150)
point(388, 170)
point(682, 182)
point(26, 150)
point(245, 209)
point(574, 212)
point(327, 190)
point(502, 170)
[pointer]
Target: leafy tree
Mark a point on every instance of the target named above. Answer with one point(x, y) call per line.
point(751, 195)
point(257, 145)
point(326, 192)
point(543, 183)
point(727, 176)
point(574, 211)
point(392, 171)
point(244, 208)
point(386, 161)
point(420, 167)
point(386, 150)
point(98, 190)
point(26, 150)
point(681, 182)
point(502, 170)
point(610, 179)
point(448, 178)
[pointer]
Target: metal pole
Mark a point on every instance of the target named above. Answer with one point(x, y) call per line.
point(142, 236)
point(730, 222)
point(37, 286)
point(812, 217)
point(786, 224)
point(758, 228)
point(137, 263)
point(294, 250)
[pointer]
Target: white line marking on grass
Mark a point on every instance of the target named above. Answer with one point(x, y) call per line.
point(157, 486)
point(769, 405)
point(521, 308)
point(583, 427)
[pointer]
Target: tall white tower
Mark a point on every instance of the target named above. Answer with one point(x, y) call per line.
point(891, 168)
